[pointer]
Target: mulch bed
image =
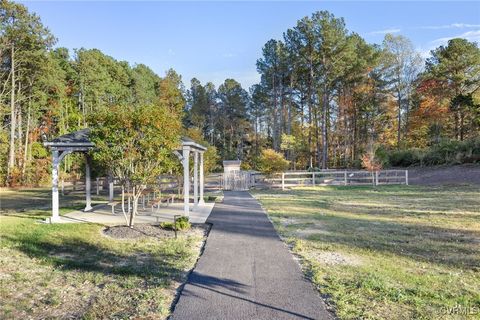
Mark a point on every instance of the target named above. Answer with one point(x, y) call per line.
point(149, 230)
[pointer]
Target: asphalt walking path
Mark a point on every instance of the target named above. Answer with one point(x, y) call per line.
point(246, 271)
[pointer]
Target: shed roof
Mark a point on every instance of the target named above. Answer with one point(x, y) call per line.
point(232, 163)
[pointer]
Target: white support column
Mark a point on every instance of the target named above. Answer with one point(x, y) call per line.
point(110, 189)
point(186, 181)
point(202, 201)
point(55, 162)
point(195, 179)
point(88, 185)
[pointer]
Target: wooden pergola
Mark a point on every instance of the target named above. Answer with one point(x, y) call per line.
point(79, 141)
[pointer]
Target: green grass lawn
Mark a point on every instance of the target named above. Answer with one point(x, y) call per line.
point(25, 199)
point(398, 252)
point(73, 271)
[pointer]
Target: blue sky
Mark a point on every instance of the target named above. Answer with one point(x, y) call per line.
point(217, 40)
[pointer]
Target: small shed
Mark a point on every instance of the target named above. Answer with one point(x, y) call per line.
point(230, 166)
point(233, 177)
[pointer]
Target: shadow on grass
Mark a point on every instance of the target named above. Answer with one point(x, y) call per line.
point(451, 247)
point(79, 255)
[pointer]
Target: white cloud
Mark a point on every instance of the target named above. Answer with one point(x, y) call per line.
point(473, 36)
point(424, 53)
point(229, 55)
point(390, 30)
point(452, 26)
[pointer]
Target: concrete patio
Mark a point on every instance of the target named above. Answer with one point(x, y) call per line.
point(103, 214)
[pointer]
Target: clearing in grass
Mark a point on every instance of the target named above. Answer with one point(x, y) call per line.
point(396, 252)
point(74, 271)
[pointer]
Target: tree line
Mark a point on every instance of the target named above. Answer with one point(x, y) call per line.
point(324, 97)
point(46, 92)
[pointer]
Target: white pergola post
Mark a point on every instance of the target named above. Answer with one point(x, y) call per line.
point(88, 185)
point(202, 201)
point(195, 179)
point(55, 162)
point(110, 189)
point(186, 180)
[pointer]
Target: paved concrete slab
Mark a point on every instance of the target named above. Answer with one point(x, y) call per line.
point(246, 271)
point(103, 214)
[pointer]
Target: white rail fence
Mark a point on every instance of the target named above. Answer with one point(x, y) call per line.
point(331, 177)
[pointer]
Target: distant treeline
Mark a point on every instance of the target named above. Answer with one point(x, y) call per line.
point(47, 91)
point(325, 95)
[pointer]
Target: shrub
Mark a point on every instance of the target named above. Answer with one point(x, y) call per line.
point(182, 224)
point(446, 152)
point(432, 159)
point(272, 162)
point(405, 158)
point(382, 156)
point(370, 161)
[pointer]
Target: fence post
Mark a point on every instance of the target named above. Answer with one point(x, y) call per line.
point(283, 180)
point(98, 186)
point(63, 187)
point(376, 178)
point(313, 178)
point(406, 177)
point(345, 177)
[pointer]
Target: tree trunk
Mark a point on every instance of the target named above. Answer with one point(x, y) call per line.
point(275, 116)
point(310, 108)
point(136, 194)
point(462, 120)
point(354, 133)
point(399, 126)
point(11, 157)
point(25, 150)
point(324, 128)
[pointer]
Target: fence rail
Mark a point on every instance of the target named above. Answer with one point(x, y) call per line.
point(165, 183)
point(330, 177)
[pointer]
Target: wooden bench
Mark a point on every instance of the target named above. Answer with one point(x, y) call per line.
point(165, 199)
point(113, 204)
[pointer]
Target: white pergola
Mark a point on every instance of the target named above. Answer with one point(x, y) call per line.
point(188, 147)
point(78, 141)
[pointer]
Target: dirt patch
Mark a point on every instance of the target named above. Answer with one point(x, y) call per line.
point(461, 174)
point(305, 233)
point(288, 221)
point(149, 230)
point(334, 258)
